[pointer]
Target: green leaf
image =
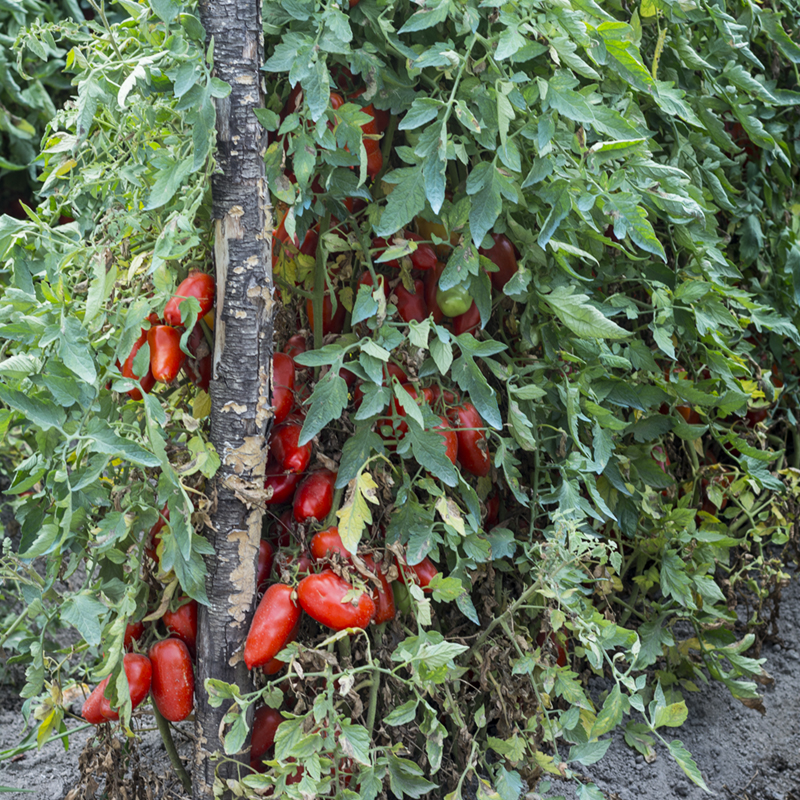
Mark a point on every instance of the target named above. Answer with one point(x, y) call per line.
point(74, 350)
point(589, 753)
point(580, 317)
point(105, 440)
point(686, 763)
point(560, 208)
point(40, 412)
point(406, 778)
point(673, 716)
point(87, 614)
point(426, 18)
point(405, 202)
point(403, 714)
point(167, 10)
point(327, 403)
point(610, 715)
point(168, 181)
point(429, 450)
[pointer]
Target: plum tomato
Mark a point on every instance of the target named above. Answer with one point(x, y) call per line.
point(139, 672)
point(290, 456)
point(182, 624)
point(468, 322)
point(472, 450)
point(262, 740)
point(326, 543)
point(332, 321)
point(450, 439)
point(422, 573)
point(280, 485)
point(173, 679)
point(275, 617)
point(166, 356)
point(412, 306)
point(282, 385)
point(266, 555)
point(133, 632)
point(321, 597)
point(314, 497)
point(147, 382)
point(198, 285)
point(383, 596)
point(504, 255)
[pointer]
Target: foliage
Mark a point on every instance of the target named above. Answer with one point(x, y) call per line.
point(636, 376)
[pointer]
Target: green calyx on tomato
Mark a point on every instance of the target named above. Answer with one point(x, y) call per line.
point(454, 301)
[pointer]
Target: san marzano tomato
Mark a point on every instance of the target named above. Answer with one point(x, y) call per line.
point(321, 596)
point(138, 671)
point(182, 624)
point(173, 679)
point(276, 616)
point(265, 724)
point(314, 498)
point(166, 356)
point(197, 285)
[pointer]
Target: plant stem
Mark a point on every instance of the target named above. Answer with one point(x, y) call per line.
point(172, 752)
point(377, 635)
point(320, 283)
point(14, 625)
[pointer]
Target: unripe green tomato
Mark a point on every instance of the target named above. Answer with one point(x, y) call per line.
point(402, 600)
point(454, 301)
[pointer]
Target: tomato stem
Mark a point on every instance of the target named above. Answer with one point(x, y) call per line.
point(377, 636)
point(320, 282)
point(172, 752)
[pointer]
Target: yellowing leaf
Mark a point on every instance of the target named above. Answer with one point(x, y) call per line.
point(355, 512)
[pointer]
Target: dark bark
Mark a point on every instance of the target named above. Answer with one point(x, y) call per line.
point(240, 389)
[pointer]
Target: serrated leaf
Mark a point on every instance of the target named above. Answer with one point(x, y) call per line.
point(581, 318)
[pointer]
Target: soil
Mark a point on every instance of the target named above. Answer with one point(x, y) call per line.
point(741, 754)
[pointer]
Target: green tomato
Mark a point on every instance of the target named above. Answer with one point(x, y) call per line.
point(455, 301)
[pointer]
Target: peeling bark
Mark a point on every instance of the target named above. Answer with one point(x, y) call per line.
point(240, 388)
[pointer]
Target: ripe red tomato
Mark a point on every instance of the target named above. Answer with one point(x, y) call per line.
point(504, 255)
point(321, 596)
point(561, 653)
point(275, 617)
point(281, 533)
point(412, 306)
point(280, 485)
point(265, 723)
point(282, 385)
point(689, 414)
point(148, 381)
point(287, 453)
point(383, 597)
point(472, 450)
point(153, 538)
point(314, 497)
point(173, 679)
point(331, 322)
point(374, 158)
point(139, 672)
point(266, 555)
point(166, 356)
point(428, 229)
point(198, 285)
point(274, 666)
point(431, 288)
point(450, 439)
point(182, 624)
point(424, 257)
point(468, 322)
point(421, 573)
point(492, 509)
point(295, 346)
point(133, 632)
point(326, 543)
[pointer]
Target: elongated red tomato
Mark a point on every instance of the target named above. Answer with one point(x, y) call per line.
point(424, 257)
point(173, 679)
point(133, 632)
point(326, 543)
point(314, 497)
point(450, 439)
point(182, 624)
point(384, 597)
point(166, 356)
point(468, 322)
point(295, 346)
point(472, 450)
point(275, 665)
point(265, 723)
point(266, 554)
point(332, 321)
point(290, 456)
point(431, 287)
point(421, 573)
point(504, 255)
point(412, 306)
point(321, 596)
point(282, 386)
point(280, 485)
point(138, 671)
point(274, 619)
point(198, 285)
point(561, 653)
point(148, 381)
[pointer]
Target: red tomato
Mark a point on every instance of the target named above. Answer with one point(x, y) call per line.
point(472, 450)
point(280, 485)
point(153, 538)
point(294, 562)
point(275, 617)
point(133, 632)
point(148, 381)
point(689, 414)
point(421, 573)
point(492, 509)
point(374, 158)
point(198, 285)
point(281, 535)
point(282, 385)
point(331, 322)
point(431, 287)
point(265, 723)
point(469, 322)
point(173, 679)
point(503, 254)
point(266, 554)
point(561, 653)
point(337, 101)
point(295, 346)
point(139, 672)
point(412, 306)
point(424, 257)
point(321, 596)
point(450, 439)
point(166, 356)
point(383, 597)
point(287, 453)
point(314, 498)
point(182, 624)
point(326, 543)
point(366, 280)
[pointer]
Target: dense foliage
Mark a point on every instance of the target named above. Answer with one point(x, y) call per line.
point(633, 371)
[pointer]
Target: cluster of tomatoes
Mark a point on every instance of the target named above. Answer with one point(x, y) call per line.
point(164, 340)
point(166, 672)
